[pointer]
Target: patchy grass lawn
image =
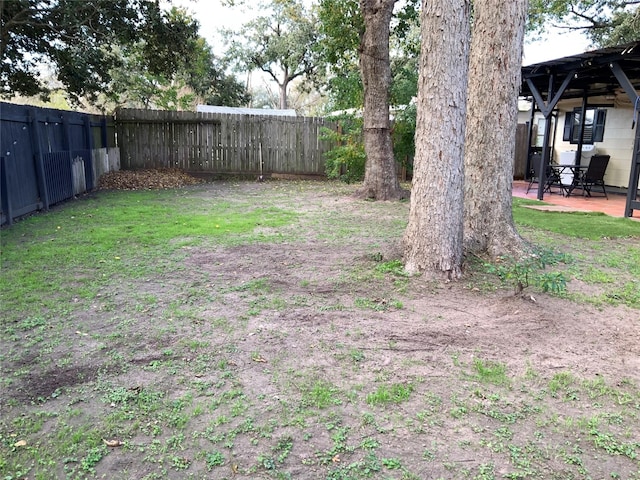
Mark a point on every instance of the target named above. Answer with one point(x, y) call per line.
point(267, 330)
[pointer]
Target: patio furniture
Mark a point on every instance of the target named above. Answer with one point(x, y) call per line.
point(575, 172)
point(594, 175)
point(551, 177)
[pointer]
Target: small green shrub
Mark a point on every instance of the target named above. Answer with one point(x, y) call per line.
point(346, 161)
point(528, 271)
point(404, 131)
point(214, 459)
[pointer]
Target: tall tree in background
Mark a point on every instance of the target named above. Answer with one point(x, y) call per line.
point(340, 27)
point(605, 22)
point(434, 236)
point(380, 179)
point(279, 44)
point(494, 81)
point(199, 78)
point(80, 42)
point(206, 75)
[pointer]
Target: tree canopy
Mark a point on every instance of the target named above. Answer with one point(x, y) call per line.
point(605, 22)
point(278, 43)
point(341, 26)
point(198, 78)
point(110, 52)
point(79, 40)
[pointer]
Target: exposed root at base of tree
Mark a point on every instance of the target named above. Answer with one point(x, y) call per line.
point(368, 193)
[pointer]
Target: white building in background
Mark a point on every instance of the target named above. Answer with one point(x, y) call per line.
point(246, 111)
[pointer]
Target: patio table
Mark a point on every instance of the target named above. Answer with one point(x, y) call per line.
point(575, 170)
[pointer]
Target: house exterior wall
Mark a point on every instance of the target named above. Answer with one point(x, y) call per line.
point(617, 141)
point(618, 136)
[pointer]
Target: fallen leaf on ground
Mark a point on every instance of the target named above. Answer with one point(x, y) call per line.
point(20, 443)
point(112, 443)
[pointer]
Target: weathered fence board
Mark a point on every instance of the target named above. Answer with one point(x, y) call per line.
point(521, 151)
point(105, 160)
point(221, 143)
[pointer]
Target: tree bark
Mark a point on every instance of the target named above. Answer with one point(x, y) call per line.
point(380, 178)
point(434, 235)
point(284, 103)
point(494, 80)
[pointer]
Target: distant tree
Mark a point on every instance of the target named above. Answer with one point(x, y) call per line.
point(380, 178)
point(206, 75)
point(434, 236)
point(81, 42)
point(605, 22)
point(279, 44)
point(341, 26)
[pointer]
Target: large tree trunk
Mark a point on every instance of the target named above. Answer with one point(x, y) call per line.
point(433, 239)
point(494, 80)
point(284, 104)
point(380, 178)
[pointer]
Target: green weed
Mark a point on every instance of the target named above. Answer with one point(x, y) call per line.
point(388, 394)
point(522, 273)
point(394, 267)
point(490, 372)
point(320, 394)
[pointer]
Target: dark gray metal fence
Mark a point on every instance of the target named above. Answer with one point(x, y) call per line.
point(47, 156)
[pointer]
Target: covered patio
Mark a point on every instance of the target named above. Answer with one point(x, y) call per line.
point(592, 77)
point(614, 206)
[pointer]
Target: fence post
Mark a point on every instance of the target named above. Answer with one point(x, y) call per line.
point(66, 133)
point(35, 135)
point(103, 132)
point(4, 193)
point(88, 162)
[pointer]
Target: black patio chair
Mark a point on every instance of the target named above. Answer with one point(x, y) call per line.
point(551, 177)
point(594, 175)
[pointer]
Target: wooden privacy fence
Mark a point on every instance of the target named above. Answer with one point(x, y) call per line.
point(521, 152)
point(215, 143)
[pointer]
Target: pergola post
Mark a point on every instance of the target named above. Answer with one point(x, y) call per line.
point(547, 110)
point(634, 172)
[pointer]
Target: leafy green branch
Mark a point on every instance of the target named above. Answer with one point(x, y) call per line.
point(529, 271)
